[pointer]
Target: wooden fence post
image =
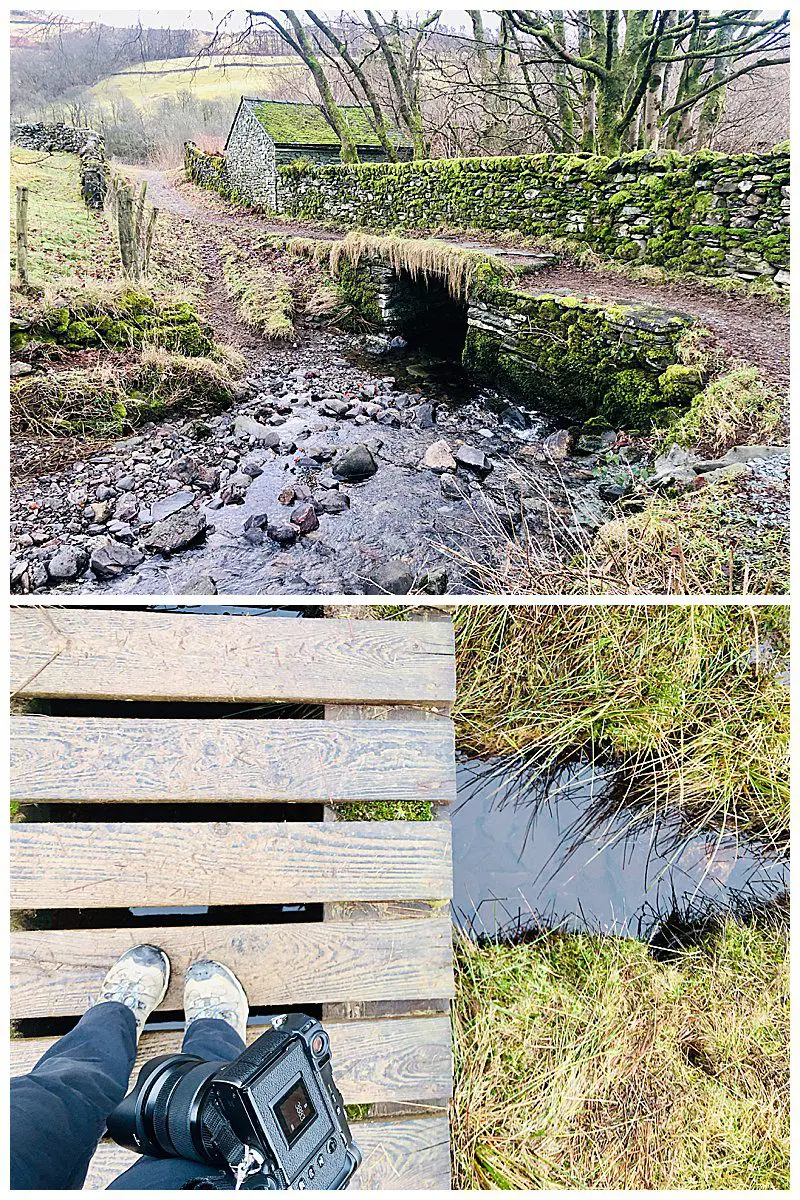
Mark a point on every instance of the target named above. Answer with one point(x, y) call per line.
point(126, 233)
point(22, 235)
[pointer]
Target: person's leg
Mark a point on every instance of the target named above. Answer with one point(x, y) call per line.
point(59, 1110)
point(216, 1012)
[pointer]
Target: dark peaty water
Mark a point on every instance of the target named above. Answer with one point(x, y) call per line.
point(521, 858)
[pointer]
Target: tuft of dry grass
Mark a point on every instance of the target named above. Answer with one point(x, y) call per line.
point(738, 408)
point(581, 1062)
point(263, 295)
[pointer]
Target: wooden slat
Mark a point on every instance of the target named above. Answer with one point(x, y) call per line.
point(410, 1154)
point(124, 759)
point(70, 865)
point(105, 654)
point(406, 1059)
point(56, 972)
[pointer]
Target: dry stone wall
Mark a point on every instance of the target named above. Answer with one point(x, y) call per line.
point(707, 213)
point(59, 138)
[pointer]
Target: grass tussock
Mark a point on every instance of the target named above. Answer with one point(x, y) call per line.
point(112, 398)
point(582, 1062)
point(699, 543)
point(263, 295)
point(420, 258)
point(677, 693)
point(739, 408)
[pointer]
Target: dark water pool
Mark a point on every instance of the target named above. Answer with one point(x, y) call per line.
point(521, 858)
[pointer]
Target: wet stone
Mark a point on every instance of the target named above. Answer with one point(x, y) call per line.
point(169, 505)
point(474, 460)
point(393, 577)
point(176, 532)
point(305, 518)
point(111, 558)
point(355, 465)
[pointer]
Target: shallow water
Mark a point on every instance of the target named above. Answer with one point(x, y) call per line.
point(513, 865)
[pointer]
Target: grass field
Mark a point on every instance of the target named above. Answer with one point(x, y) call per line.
point(64, 237)
point(582, 1062)
point(212, 79)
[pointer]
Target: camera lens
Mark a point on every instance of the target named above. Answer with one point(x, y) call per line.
point(162, 1116)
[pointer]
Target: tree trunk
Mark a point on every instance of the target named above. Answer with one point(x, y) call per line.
point(379, 121)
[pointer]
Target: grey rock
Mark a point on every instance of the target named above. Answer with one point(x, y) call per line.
point(126, 507)
point(424, 417)
point(177, 532)
point(355, 465)
point(199, 585)
point(334, 408)
point(254, 429)
point(169, 505)
point(283, 532)
point(392, 577)
point(474, 460)
point(68, 563)
point(110, 558)
point(126, 483)
point(332, 503)
point(18, 369)
point(673, 469)
point(450, 487)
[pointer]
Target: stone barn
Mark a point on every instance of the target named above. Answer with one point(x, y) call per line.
point(267, 134)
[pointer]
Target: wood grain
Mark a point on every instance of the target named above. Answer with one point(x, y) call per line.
point(124, 759)
point(411, 1154)
point(75, 865)
point(399, 1060)
point(102, 654)
point(57, 972)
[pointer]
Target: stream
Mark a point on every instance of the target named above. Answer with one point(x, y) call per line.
point(406, 527)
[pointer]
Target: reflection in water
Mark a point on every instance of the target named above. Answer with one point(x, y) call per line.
point(521, 857)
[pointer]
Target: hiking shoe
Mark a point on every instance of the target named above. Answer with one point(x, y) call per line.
point(212, 991)
point(138, 980)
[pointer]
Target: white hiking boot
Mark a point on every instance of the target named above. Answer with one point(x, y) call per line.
point(212, 991)
point(139, 980)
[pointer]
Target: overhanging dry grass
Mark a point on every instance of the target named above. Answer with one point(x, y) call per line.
point(673, 691)
point(424, 258)
point(581, 1062)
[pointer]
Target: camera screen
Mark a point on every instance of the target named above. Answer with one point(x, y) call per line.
point(294, 1111)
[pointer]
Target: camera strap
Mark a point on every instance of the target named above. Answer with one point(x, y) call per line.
point(242, 1160)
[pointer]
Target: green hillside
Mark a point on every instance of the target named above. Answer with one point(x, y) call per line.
point(213, 78)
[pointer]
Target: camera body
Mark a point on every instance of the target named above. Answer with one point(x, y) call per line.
point(274, 1114)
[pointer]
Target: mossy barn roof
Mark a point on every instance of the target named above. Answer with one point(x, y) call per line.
point(293, 123)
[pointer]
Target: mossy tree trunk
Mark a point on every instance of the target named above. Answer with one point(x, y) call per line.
point(298, 41)
point(379, 123)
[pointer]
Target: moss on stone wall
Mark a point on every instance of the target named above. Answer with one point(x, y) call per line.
point(358, 288)
point(707, 213)
point(581, 358)
point(120, 321)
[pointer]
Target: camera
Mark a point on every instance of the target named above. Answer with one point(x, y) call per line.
point(273, 1116)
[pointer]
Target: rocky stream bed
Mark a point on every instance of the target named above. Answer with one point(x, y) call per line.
point(335, 472)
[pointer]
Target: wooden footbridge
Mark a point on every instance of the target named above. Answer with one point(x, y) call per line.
point(141, 791)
